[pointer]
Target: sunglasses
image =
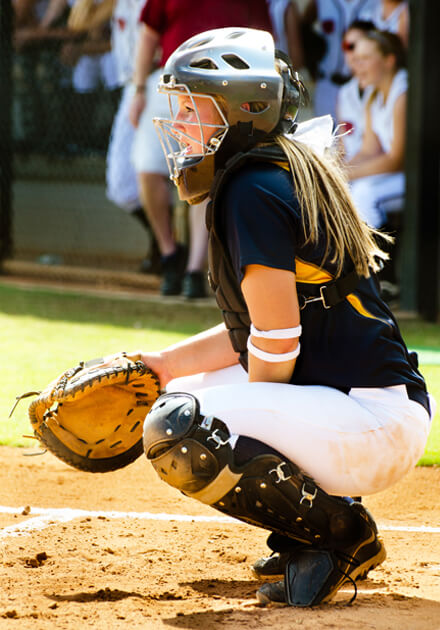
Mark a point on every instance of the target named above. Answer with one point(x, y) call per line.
point(348, 46)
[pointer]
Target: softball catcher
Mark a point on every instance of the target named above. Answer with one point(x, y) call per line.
point(306, 396)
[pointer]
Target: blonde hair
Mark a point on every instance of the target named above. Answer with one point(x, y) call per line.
point(325, 201)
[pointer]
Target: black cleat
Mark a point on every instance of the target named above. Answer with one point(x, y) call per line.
point(314, 576)
point(194, 285)
point(173, 269)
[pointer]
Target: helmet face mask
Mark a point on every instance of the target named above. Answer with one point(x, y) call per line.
point(237, 70)
point(185, 149)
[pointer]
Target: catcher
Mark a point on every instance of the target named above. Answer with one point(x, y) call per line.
point(277, 432)
point(306, 395)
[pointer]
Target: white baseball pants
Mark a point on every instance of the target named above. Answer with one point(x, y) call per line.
point(352, 445)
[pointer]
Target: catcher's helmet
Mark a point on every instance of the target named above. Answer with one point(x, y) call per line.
point(253, 88)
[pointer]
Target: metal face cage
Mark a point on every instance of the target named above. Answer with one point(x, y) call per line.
point(174, 142)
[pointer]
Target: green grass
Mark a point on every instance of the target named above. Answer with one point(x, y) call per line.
point(43, 332)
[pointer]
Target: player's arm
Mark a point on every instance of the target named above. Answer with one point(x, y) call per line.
point(339, 143)
point(209, 350)
point(272, 300)
point(147, 44)
point(292, 21)
point(54, 11)
point(45, 29)
point(23, 13)
point(86, 15)
point(370, 149)
point(403, 27)
point(372, 161)
point(310, 14)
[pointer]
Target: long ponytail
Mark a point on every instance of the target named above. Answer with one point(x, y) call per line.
point(325, 200)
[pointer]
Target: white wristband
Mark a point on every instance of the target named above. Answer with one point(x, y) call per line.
point(280, 333)
point(271, 357)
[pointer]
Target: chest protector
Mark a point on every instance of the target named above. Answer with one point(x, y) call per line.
point(222, 276)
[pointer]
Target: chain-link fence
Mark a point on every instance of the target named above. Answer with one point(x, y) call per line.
point(58, 118)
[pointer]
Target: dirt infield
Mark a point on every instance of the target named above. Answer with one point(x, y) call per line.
point(119, 551)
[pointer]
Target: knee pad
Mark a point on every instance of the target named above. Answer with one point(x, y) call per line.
point(195, 454)
point(189, 451)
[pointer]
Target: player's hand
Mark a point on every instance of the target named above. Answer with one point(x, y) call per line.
point(158, 362)
point(137, 107)
point(80, 14)
point(27, 36)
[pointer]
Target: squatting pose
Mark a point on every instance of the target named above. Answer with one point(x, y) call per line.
point(306, 398)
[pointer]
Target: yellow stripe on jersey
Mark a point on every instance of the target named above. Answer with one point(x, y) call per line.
point(284, 165)
point(311, 274)
point(359, 307)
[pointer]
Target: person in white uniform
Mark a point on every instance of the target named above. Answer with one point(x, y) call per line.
point(271, 417)
point(352, 98)
point(92, 59)
point(93, 70)
point(121, 177)
point(286, 19)
point(376, 171)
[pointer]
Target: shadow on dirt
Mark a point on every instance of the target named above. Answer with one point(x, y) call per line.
point(237, 589)
point(378, 611)
point(102, 595)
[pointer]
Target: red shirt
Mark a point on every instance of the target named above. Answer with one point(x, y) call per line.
point(178, 20)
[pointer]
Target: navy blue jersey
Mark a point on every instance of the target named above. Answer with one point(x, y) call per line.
point(356, 343)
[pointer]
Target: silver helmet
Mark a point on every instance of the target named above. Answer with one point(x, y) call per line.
point(252, 89)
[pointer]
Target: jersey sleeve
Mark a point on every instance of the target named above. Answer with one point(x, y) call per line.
point(262, 219)
point(153, 15)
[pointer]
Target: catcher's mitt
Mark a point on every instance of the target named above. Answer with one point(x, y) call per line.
point(92, 416)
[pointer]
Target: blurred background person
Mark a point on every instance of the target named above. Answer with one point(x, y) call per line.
point(376, 171)
point(93, 69)
point(352, 98)
point(41, 81)
point(332, 19)
point(391, 15)
point(286, 25)
point(121, 179)
point(165, 25)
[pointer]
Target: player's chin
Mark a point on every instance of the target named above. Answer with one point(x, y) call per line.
point(190, 150)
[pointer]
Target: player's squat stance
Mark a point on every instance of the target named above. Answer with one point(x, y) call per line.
point(332, 405)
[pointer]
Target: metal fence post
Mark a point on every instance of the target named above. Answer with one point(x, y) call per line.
point(421, 238)
point(6, 21)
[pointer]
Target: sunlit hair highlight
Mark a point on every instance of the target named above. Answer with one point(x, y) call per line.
point(326, 204)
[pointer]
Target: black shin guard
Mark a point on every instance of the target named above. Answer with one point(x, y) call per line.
point(328, 540)
point(194, 454)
